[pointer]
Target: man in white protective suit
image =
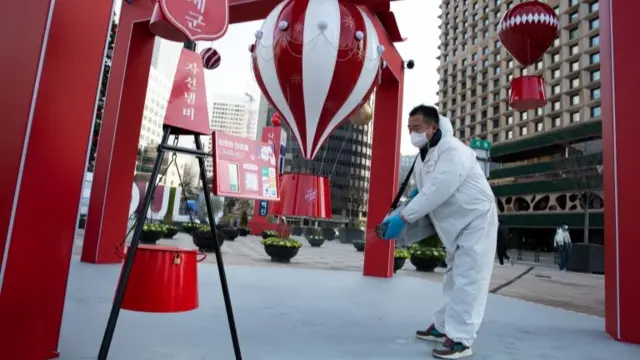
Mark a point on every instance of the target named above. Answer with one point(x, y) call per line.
point(454, 192)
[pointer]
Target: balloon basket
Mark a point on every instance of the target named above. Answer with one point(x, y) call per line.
point(161, 27)
point(527, 93)
point(304, 195)
point(163, 280)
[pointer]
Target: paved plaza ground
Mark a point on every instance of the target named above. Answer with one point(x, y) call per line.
point(296, 313)
point(582, 293)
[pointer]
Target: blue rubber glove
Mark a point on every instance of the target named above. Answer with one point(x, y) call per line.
point(413, 193)
point(395, 225)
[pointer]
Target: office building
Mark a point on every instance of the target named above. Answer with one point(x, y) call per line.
point(232, 115)
point(548, 160)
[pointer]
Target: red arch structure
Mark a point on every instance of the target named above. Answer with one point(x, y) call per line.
point(50, 78)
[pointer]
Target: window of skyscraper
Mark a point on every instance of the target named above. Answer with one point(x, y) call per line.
point(595, 94)
point(594, 58)
point(595, 112)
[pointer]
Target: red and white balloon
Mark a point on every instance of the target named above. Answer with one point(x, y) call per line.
point(316, 61)
point(210, 58)
point(527, 30)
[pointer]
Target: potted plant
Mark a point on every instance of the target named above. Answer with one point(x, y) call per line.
point(82, 221)
point(244, 231)
point(151, 233)
point(169, 231)
point(203, 238)
point(315, 240)
point(281, 250)
point(400, 256)
point(329, 233)
point(190, 227)
point(358, 244)
point(427, 254)
point(269, 234)
point(352, 232)
point(229, 233)
point(297, 231)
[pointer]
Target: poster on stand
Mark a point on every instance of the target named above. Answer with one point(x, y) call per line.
point(244, 168)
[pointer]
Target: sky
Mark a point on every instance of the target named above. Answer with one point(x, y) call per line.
point(418, 22)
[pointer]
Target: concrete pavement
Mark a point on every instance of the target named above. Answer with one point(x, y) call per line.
point(582, 293)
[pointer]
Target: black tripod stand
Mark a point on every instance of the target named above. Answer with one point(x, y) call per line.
point(135, 241)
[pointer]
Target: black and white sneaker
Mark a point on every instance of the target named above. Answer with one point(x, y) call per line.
point(452, 350)
point(431, 334)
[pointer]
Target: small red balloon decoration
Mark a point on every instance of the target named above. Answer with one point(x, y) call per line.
point(275, 119)
point(527, 30)
point(210, 58)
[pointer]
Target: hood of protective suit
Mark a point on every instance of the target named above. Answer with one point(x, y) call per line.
point(445, 126)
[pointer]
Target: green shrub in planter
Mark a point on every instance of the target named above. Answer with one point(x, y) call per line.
point(169, 231)
point(400, 256)
point(427, 254)
point(269, 234)
point(151, 233)
point(359, 245)
point(315, 240)
point(190, 227)
point(281, 250)
point(203, 238)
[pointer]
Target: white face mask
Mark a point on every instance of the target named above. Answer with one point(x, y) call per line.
point(419, 139)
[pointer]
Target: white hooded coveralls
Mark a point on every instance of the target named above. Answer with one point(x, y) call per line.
point(456, 195)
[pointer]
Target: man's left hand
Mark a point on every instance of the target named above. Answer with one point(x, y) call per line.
point(395, 225)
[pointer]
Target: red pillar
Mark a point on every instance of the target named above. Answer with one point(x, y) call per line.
point(385, 156)
point(619, 29)
point(50, 65)
point(118, 143)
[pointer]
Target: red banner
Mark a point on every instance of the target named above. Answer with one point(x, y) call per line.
point(187, 108)
point(244, 168)
point(199, 20)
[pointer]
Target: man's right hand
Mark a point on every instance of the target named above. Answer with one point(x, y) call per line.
point(413, 193)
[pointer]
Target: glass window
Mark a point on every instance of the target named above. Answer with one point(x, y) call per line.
point(595, 112)
point(594, 24)
point(595, 75)
point(574, 49)
point(509, 134)
point(523, 131)
point(555, 74)
point(595, 94)
point(555, 57)
point(575, 82)
point(575, 66)
point(539, 126)
point(594, 6)
point(555, 122)
point(574, 34)
point(574, 117)
point(594, 58)
point(575, 100)
point(573, 17)
point(555, 89)
point(509, 120)
point(555, 106)
point(594, 40)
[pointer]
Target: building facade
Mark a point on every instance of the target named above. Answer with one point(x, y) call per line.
point(345, 158)
point(547, 162)
point(232, 115)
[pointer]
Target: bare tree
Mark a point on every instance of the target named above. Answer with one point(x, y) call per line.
point(584, 168)
point(189, 179)
point(357, 201)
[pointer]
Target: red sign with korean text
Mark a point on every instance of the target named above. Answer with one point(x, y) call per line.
point(187, 108)
point(199, 20)
point(244, 168)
